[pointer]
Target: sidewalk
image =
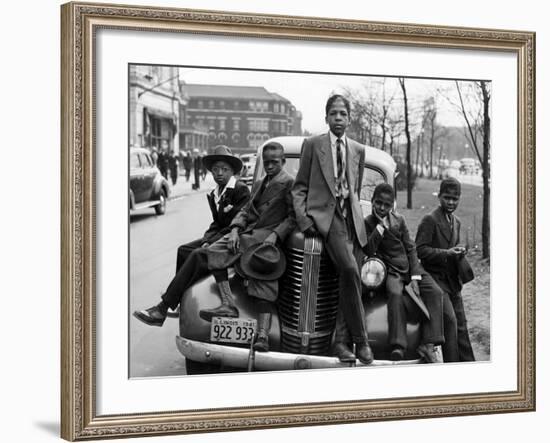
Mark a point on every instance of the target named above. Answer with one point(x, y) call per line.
point(183, 188)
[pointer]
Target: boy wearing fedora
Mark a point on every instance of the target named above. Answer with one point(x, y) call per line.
point(326, 201)
point(266, 220)
point(225, 200)
point(438, 246)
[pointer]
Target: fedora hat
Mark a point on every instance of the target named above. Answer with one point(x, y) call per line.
point(222, 153)
point(262, 261)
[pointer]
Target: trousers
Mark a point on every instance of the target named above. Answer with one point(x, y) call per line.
point(192, 270)
point(343, 249)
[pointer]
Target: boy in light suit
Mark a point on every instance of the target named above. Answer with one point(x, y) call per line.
point(326, 203)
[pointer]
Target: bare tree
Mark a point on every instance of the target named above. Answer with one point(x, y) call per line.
point(408, 135)
point(478, 122)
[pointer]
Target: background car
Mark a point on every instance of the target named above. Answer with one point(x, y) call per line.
point(148, 188)
point(249, 164)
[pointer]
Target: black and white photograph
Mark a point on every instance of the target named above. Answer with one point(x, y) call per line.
point(287, 220)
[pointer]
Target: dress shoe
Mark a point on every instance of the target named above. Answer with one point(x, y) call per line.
point(344, 353)
point(153, 316)
point(364, 353)
point(397, 353)
point(264, 325)
point(223, 310)
point(430, 353)
point(262, 343)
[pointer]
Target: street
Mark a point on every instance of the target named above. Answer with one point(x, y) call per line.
point(153, 244)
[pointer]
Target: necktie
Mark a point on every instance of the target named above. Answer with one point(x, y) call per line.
point(339, 162)
point(340, 173)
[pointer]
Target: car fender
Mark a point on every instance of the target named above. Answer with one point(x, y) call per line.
point(160, 183)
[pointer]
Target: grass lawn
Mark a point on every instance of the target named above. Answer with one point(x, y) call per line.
point(476, 294)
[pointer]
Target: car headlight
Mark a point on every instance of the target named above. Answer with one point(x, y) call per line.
point(373, 273)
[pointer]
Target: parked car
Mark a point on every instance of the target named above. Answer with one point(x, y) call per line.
point(148, 188)
point(468, 166)
point(247, 172)
point(304, 316)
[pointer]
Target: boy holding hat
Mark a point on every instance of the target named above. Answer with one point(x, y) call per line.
point(438, 246)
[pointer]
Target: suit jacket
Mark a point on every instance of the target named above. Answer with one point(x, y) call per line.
point(395, 247)
point(266, 212)
point(433, 239)
point(223, 214)
point(272, 211)
point(314, 191)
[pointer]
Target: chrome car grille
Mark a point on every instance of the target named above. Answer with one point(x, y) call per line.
point(308, 301)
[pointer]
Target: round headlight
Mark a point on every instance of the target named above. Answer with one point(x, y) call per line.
point(373, 273)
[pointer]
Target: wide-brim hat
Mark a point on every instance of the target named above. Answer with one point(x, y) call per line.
point(222, 153)
point(262, 261)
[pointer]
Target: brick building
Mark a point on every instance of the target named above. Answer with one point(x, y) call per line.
point(242, 117)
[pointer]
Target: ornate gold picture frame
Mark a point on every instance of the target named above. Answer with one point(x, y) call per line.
point(79, 397)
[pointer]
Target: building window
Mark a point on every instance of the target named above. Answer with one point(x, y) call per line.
point(282, 108)
point(236, 138)
point(211, 104)
point(211, 124)
point(200, 104)
point(236, 104)
point(252, 106)
point(276, 107)
point(222, 104)
point(212, 136)
point(222, 124)
point(236, 125)
point(222, 137)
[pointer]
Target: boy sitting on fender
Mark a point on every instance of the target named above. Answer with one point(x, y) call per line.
point(389, 240)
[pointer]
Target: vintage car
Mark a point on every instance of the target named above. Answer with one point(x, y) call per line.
point(304, 316)
point(249, 164)
point(148, 188)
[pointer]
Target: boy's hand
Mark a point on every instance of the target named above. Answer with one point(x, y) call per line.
point(458, 251)
point(233, 241)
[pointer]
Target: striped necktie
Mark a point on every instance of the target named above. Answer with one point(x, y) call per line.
point(340, 175)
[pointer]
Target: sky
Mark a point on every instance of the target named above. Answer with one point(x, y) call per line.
point(309, 92)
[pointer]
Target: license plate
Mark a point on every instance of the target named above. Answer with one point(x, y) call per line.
point(232, 330)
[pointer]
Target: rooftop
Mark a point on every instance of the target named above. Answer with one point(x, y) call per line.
point(227, 91)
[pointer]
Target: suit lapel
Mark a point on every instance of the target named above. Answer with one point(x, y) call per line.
point(351, 164)
point(324, 155)
point(273, 188)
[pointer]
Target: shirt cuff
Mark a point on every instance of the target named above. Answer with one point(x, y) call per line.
point(416, 277)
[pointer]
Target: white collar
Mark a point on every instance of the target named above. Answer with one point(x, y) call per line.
point(230, 185)
point(333, 138)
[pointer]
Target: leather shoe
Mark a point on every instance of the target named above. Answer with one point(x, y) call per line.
point(429, 353)
point(220, 311)
point(153, 316)
point(344, 353)
point(364, 353)
point(397, 353)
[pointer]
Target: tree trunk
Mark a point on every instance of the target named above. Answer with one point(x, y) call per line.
point(486, 225)
point(408, 134)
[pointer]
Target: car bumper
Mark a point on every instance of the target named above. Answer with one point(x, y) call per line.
point(266, 361)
